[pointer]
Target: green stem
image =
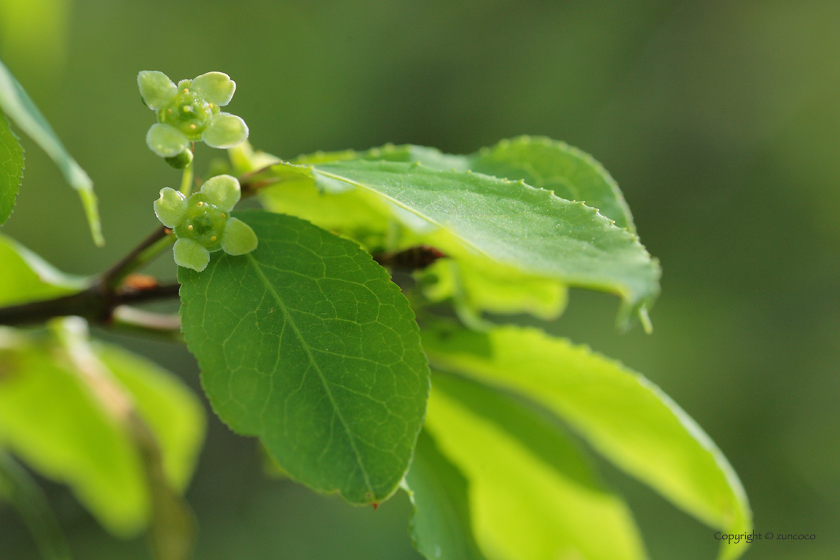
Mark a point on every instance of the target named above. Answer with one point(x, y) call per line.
point(187, 179)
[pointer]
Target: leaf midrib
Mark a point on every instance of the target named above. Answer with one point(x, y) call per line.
point(317, 368)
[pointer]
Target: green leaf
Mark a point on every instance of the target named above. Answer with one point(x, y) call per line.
point(51, 421)
point(481, 284)
point(56, 420)
point(475, 285)
point(441, 525)
point(27, 277)
point(620, 413)
point(547, 164)
point(407, 153)
point(11, 169)
point(534, 496)
point(19, 107)
point(510, 223)
point(307, 344)
point(19, 489)
point(541, 162)
point(171, 410)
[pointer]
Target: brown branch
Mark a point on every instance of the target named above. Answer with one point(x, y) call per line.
point(411, 259)
point(96, 304)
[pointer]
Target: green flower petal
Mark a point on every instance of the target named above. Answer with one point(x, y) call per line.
point(238, 238)
point(166, 141)
point(225, 131)
point(171, 207)
point(222, 191)
point(215, 87)
point(190, 254)
point(155, 88)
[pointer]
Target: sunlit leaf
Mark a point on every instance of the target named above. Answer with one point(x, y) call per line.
point(56, 421)
point(441, 526)
point(541, 162)
point(475, 285)
point(27, 277)
point(547, 164)
point(307, 344)
point(531, 492)
point(11, 169)
point(510, 223)
point(620, 413)
point(52, 422)
point(17, 105)
point(170, 409)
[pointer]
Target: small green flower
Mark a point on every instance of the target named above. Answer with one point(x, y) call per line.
point(202, 222)
point(190, 112)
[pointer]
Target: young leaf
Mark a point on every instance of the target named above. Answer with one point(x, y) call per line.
point(11, 169)
point(407, 153)
point(541, 162)
point(547, 164)
point(441, 525)
point(27, 277)
point(622, 414)
point(52, 419)
point(169, 408)
point(536, 497)
point(475, 285)
point(306, 343)
point(17, 105)
point(511, 223)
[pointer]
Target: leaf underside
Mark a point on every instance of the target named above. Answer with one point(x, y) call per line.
point(27, 277)
point(307, 344)
point(52, 420)
point(568, 172)
point(16, 103)
point(509, 225)
point(11, 169)
point(441, 525)
point(536, 497)
point(619, 412)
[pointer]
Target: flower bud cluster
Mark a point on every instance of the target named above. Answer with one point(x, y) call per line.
point(189, 112)
point(202, 222)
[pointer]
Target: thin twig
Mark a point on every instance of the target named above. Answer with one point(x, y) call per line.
point(136, 258)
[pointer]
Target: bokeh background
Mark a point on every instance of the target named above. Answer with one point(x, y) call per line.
point(719, 119)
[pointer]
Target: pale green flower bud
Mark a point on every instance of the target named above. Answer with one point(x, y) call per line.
point(171, 207)
point(190, 112)
point(202, 222)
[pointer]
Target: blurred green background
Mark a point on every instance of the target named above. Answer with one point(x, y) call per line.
point(720, 121)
